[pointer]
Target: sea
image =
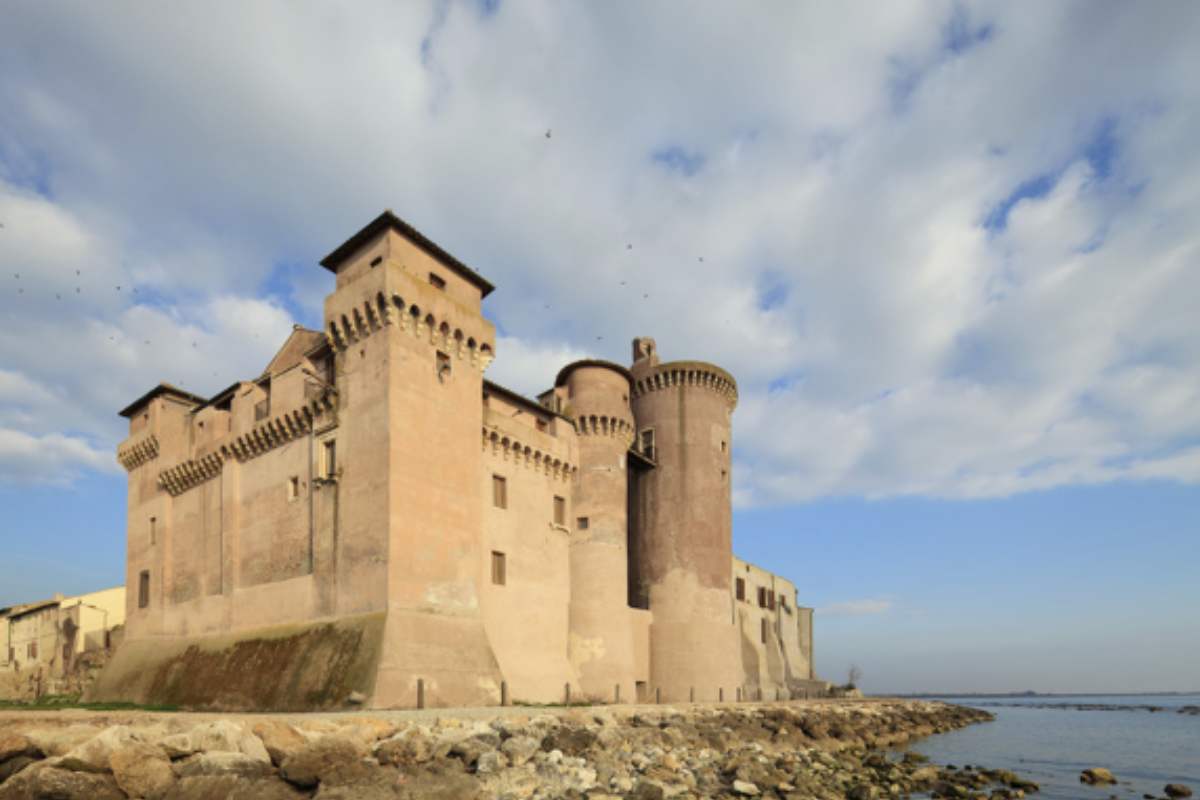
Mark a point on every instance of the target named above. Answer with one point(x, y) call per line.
point(1051, 739)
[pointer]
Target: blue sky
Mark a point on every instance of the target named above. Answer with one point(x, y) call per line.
point(949, 251)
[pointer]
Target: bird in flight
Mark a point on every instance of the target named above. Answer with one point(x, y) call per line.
point(547, 133)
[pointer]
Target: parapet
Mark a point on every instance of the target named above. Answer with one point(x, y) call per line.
point(698, 374)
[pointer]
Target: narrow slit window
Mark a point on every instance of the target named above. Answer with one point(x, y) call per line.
point(560, 511)
point(741, 589)
point(499, 568)
point(647, 443)
point(762, 597)
point(499, 491)
point(293, 487)
point(329, 467)
point(144, 589)
point(153, 530)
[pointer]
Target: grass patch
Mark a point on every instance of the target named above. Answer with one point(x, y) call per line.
point(57, 702)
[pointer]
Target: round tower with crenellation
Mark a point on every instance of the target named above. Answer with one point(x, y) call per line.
point(682, 543)
point(601, 640)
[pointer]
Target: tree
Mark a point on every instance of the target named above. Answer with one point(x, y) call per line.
point(853, 676)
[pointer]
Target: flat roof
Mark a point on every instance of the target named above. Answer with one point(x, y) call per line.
point(388, 220)
point(161, 389)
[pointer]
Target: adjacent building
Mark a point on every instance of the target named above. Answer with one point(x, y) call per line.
point(371, 519)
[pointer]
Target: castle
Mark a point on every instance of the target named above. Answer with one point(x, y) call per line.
point(372, 521)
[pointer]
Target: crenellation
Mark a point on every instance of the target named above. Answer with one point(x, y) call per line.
point(134, 454)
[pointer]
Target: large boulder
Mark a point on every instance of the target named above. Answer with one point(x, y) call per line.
point(15, 744)
point(95, 754)
point(231, 787)
point(322, 761)
point(141, 769)
point(46, 782)
point(221, 736)
point(223, 763)
point(280, 739)
point(1176, 791)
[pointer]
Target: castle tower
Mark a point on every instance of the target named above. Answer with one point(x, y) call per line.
point(601, 640)
point(682, 526)
point(411, 345)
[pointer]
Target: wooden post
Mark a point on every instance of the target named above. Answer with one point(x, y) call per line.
point(692, 694)
point(739, 694)
point(721, 695)
point(657, 694)
point(420, 692)
point(617, 694)
point(503, 693)
point(567, 693)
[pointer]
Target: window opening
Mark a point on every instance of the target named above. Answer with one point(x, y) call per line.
point(582, 523)
point(499, 491)
point(499, 568)
point(144, 589)
point(560, 511)
point(437, 281)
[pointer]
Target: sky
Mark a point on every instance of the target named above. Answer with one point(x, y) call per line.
point(949, 251)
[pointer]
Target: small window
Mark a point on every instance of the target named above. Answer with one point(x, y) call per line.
point(31, 650)
point(153, 530)
point(762, 597)
point(499, 491)
point(443, 365)
point(581, 523)
point(763, 630)
point(293, 487)
point(723, 474)
point(144, 589)
point(560, 511)
point(330, 458)
point(499, 568)
point(647, 443)
point(541, 425)
point(376, 261)
point(262, 409)
point(437, 281)
point(723, 447)
point(741, 589)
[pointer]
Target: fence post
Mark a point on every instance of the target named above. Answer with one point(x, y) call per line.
point(721, 695)
point(657, 694)
point(617, 694)
point(503, 693)
point(692, 694)
point(420, 692)
point(567, 692)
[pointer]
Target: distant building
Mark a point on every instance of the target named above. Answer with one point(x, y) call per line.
point(43, 639)
point(371, 516)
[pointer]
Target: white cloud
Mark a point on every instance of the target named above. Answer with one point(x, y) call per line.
point(831, 249)
point(855, 608)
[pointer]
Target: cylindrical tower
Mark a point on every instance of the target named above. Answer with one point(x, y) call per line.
point(683, 527)
point(601, 639)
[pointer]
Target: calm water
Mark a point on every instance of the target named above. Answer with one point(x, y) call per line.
point(1144, 750)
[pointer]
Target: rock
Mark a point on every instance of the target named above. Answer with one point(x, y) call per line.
point(435, 782)
point(863, 791)
point(356, 698)
point(223, 763)
point(491, 762)
point(14, 765)
point(571, 741)
point(520, 749)
point(279, 738)
point(141, 770)
point(1176, 790)
point(745, 788)
point(409, 747)
point(94, 755)
point(1096, 776)
point(320, 760)
point(230, 787)
point(15, 744)
point(60, 741)
point(221, 736)
point(645, 790)
point(51, 783)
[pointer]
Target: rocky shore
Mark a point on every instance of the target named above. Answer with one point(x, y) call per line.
point(785, 751)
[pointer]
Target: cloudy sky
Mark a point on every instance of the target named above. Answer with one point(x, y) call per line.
point(950, 252)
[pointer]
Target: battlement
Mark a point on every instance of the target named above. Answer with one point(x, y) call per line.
point(599, 425)
point(688, 374)
point(133, 454)
point(509, 448)
point(369, 316)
